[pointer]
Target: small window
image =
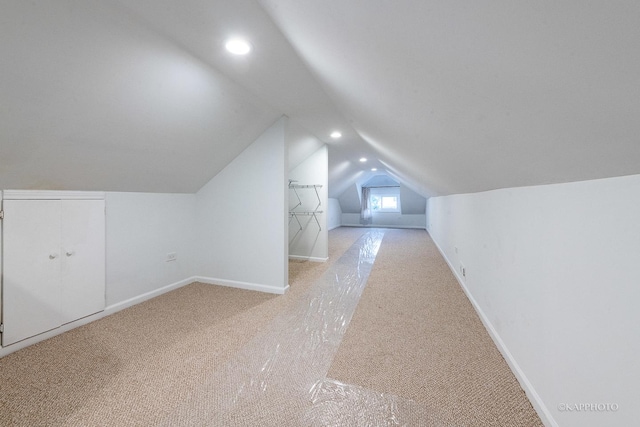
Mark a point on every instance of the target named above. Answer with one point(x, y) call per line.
point(385, 199)
point(389, 202)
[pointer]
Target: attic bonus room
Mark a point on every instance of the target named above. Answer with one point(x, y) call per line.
point(314, 213)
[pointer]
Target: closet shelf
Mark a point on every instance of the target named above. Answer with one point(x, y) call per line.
point(305, 186)
point(293, 213)
point(305, 212)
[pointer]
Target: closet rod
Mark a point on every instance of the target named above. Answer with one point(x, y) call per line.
point(304, 212)
point(305, 186)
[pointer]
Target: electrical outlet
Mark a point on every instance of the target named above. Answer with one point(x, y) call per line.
point(172, 256)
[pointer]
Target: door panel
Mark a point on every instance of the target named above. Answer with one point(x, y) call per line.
point(32, 259)
point(83, 258)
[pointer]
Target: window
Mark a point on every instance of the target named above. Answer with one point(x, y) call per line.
point(389, 202)
point(384, 203)
point(385, 199)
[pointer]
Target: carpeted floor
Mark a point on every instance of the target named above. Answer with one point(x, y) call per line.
point(416, 335)
point(138, 366)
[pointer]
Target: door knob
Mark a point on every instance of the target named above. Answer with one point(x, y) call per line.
point(69, 253)
point(53, 256)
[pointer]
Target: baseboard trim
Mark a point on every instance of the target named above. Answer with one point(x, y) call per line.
point(414, 227)
point(308, 258)
point(334, 227)
point(114, 308)
point(242, 285)
point(536, 401)
point(109, 310)
point(147, 296)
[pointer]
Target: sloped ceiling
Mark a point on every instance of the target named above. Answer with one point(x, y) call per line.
point(445, 96)
point(381, 180)
point(92, 100)
point(465, 96)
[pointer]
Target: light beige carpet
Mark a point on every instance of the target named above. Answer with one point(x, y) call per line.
point(138, 366)
point(416, 335)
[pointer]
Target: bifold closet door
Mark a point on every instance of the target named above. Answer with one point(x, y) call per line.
point(82, 250)
point(31, 268)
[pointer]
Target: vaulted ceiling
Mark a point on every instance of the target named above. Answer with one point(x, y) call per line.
point(447, 96)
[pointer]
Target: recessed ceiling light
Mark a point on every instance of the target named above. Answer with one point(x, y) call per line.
point(336, 134)
point(374, 169)
point(363, 159)
point(238, 46)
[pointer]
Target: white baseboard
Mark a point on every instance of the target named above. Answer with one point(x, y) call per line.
point(242, 285)
point(146, 296)
point(114, 308)
point(334, 227)
point(308, 258)
point(415, 227)
point(536, 401)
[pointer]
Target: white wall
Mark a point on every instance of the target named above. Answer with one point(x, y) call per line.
point(232, 232)
point(241, 218)
point(312, 241)
point(350, 199)
point(412, 206)
point(386, 219)
point(412, 202)
point(300, 144)
point(553, 272)
point(142, 228)
point(1, 198)
point(334, 214)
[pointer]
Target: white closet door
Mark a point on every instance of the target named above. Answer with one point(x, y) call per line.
point(32, 259)
point(83, 258)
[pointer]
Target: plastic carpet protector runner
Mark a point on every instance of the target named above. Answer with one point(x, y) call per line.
point(279, 377)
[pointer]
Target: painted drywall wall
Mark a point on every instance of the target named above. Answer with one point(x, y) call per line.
point(241, 218)
point(412, 205)
point(553, 272)
point(334, 214)
point(300, 144)
point(384, 219)
point(142, 229)
point(350, 199)
point(1, 198)
point(309, 239)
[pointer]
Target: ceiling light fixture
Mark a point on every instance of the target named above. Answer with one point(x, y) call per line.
point(238, 46)
point(335, 134)
point(363, 159)
point(374, 169)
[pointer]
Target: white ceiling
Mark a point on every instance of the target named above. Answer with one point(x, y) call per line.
point(446, 96)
